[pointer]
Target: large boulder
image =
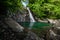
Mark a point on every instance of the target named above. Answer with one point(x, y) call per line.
point(53, 34)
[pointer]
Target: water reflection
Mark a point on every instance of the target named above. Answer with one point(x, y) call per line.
point(30, 25)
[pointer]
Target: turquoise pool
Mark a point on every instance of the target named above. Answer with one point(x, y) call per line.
point(34, 25)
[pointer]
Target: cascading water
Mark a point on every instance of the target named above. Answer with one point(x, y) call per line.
point(25, 3)
point(31, 19)
point(30, 15)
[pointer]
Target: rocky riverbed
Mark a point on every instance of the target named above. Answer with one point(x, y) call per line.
point(6, 33)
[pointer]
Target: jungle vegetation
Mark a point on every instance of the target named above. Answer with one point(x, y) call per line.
point(40, 8)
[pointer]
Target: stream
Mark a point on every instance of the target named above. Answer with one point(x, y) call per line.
point(36, 28)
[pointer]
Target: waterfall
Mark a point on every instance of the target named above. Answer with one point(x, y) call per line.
point(32, 20)
point(25, 2)
point(30, 15)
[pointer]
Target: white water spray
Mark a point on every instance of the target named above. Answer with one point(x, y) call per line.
point(25, 2)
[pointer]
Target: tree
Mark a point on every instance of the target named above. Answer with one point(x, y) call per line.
point(42, 8)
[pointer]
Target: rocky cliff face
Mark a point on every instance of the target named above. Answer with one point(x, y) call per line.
point(21, 16)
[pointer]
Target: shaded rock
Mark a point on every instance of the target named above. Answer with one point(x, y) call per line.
point(43, 20)
point(6, 33)
point(32, 36)
point(21, 16)
point(55, 22)
point(53, 34)
point(14, 25)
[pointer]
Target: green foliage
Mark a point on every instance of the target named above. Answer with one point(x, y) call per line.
point(41, 8)
point(45, 8)
point(9, 7)
point(12, 5)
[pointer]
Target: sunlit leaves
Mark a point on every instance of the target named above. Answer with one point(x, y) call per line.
point(42, 8)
